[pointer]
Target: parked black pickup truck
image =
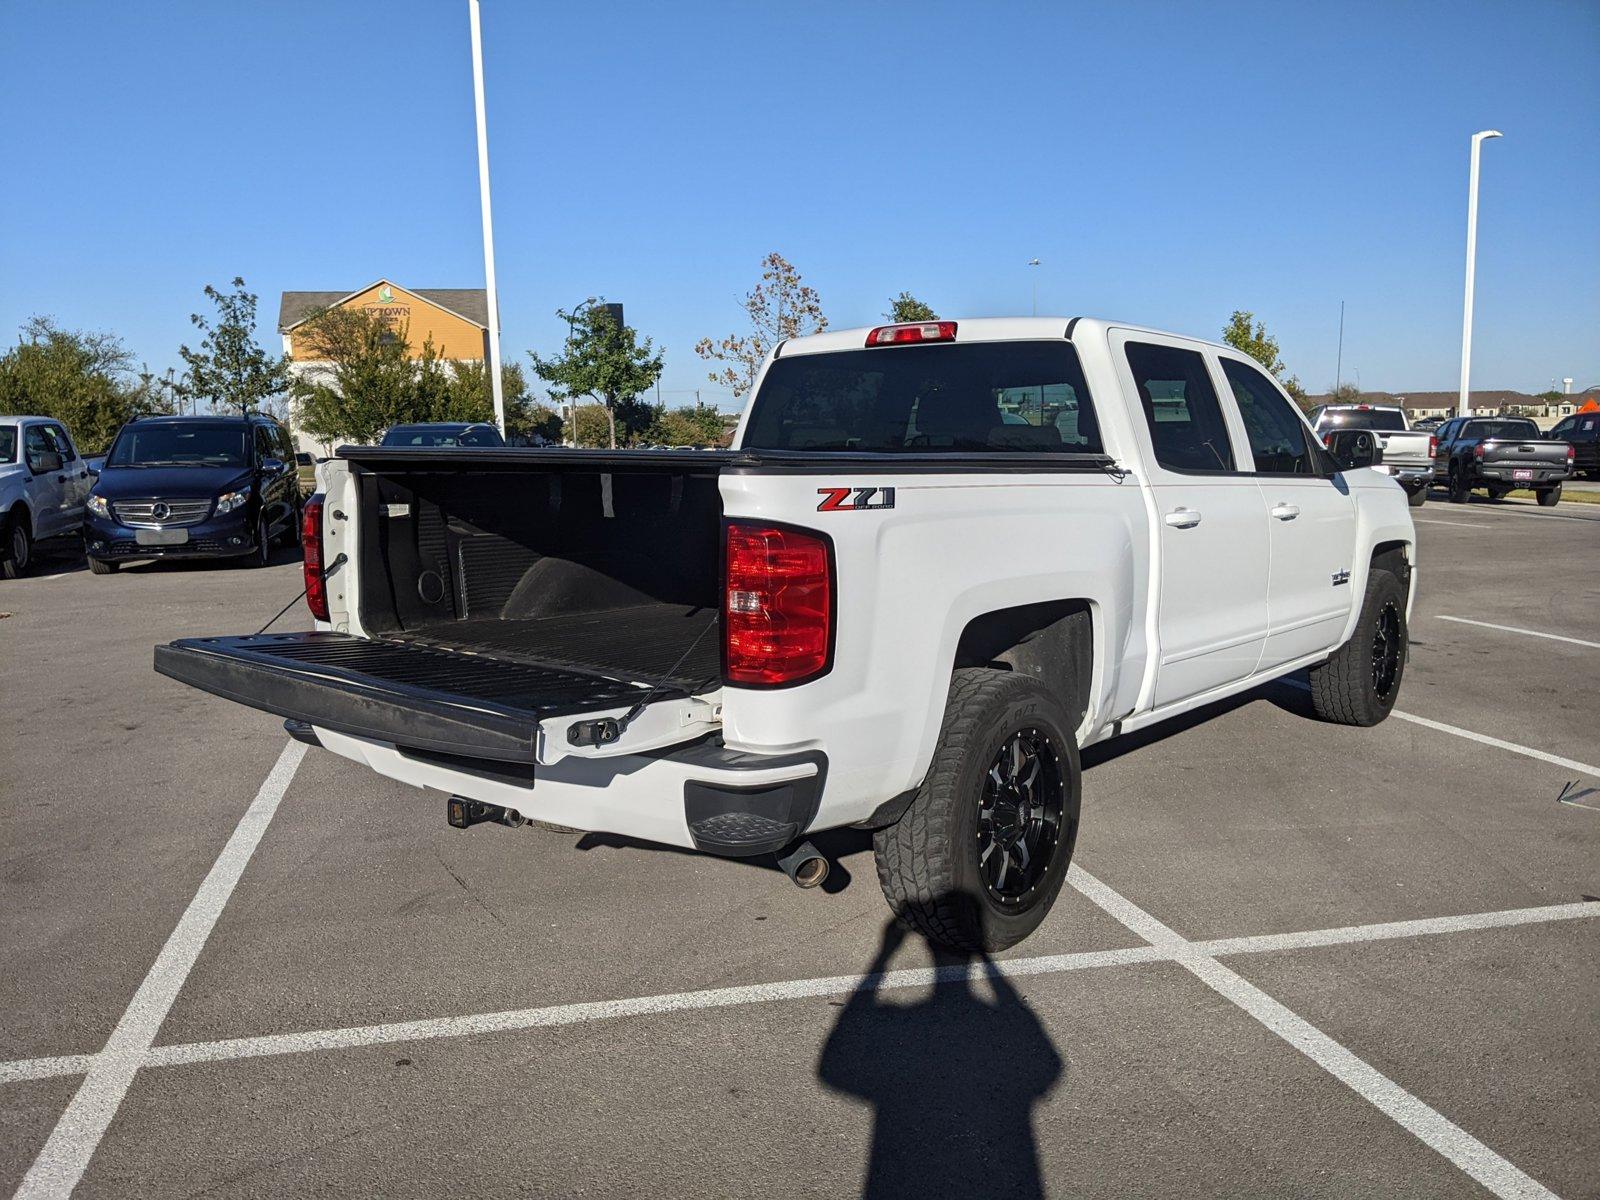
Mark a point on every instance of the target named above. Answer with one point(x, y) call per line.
point(1500, 454)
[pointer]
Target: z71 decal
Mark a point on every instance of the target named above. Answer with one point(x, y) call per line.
point(854, 499)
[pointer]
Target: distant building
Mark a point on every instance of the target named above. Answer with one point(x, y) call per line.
point(455, 320)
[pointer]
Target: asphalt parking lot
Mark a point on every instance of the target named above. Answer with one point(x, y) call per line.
point(1298, 959)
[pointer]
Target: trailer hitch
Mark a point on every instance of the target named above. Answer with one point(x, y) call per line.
point(464, 814)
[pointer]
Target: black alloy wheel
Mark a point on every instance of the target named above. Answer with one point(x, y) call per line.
point(1019, 818)
point(1386, 651)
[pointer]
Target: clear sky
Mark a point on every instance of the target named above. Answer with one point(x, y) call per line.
point(1168, 163)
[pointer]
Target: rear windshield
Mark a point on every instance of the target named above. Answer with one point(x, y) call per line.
point(178, 445)
point(1385, 420)
point(1503, 429)
point(989, 396)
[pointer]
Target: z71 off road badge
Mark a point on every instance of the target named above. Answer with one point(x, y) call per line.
point(1340, 577)
point(855, 499)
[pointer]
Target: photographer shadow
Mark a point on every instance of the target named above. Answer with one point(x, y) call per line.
point(952, 1080)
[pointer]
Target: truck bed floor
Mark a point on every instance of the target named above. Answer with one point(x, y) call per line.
point(644, 642)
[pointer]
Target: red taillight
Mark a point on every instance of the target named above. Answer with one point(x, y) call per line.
point(921, 331)
point(1572, 453)
point(777, 604)
point(311, 543)
point(1477, 451)
point(1433, 446)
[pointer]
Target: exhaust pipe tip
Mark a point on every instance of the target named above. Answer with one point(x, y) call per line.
point(804, 865)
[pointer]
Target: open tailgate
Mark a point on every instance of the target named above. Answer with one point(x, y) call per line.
point(417, 697)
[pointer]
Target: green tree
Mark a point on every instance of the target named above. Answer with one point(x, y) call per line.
point(82, 379)
point(603, 361)
point(906, 308)
point(1263, 347)
point(231, 370)
point(1344, 393)
point(361, 378)
point(781, 306)
point(687, 426)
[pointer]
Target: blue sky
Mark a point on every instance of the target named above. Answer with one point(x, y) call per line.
point(1167, 163)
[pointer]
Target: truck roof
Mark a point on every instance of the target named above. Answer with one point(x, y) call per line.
point(981, 329)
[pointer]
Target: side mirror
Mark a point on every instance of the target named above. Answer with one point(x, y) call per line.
point(1352, 448)
point(44, 461)
point(94, 465)
point(272, 466)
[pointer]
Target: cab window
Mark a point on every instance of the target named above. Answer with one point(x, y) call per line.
point(1278, 439)
point(1180, 408)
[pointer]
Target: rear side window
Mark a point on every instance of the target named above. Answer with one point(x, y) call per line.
point(1181, 408)
point(982, 396)
point(1278, 440)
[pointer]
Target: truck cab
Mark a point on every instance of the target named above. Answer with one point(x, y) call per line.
point(43, 485)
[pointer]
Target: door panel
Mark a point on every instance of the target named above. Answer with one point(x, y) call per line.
point(46, 490)
point(1311, 527)
point(1211, 535)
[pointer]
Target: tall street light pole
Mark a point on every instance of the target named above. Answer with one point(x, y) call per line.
point(488, 220)
point(1034, 262)
point(1472, 255)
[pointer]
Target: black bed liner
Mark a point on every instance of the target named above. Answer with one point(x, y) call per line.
point(415, 696)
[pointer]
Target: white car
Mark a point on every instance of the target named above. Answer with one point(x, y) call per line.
point(43, 485)
point(887, 606)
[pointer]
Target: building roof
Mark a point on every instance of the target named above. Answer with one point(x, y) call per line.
point(470, 304)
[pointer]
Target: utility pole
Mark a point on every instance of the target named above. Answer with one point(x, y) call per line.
point(1463, 407)
point(1338, 368)
point(488, 220)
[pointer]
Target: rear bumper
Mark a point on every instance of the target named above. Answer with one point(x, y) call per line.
point(1507, 473)
point(1409, 475)
point(699, 797)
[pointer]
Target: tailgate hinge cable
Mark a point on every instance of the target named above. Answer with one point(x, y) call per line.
point(609, 729)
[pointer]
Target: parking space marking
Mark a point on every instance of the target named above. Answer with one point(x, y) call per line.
point(1499, 1175)
point(1470, 735)
point(435, 1028)
point(1457, 524)
point(1554, 637)
point(72, 1142)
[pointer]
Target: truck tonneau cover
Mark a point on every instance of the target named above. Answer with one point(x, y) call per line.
point(417, 697)
point(711, 462)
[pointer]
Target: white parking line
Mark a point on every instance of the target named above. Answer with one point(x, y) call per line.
point(1483, 738)
point(73, 1141)
point(1554, 637)
point(428, 1029)
point(1457, 524)
point(1429, 1126)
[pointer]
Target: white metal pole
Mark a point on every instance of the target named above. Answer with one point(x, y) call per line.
point(488, 220)
point(1472, 254)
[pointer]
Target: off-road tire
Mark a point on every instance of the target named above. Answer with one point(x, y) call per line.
point(1550, 497)
point(99, 566)
point(927, 860)
point(1460, 489)
point(18, 538)
point(1343, 689)
point(1418, 498)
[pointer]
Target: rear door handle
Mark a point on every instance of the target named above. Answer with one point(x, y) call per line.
point(1286, 512)
point(1183, 518)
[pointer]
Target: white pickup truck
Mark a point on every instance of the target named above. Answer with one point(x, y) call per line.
point(1408, 453)
point(938, 560)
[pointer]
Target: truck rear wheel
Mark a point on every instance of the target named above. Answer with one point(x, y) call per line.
point(979, 857)
point(1418, 498)
point(18, 547)
point(1359, 683)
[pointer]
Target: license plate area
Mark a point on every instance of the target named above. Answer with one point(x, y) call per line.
point(1522, 474)
point(161, 537)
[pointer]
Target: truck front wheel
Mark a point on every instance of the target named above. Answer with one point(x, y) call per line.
point(1550, 497)
point(1460, 487)
point(979, 857)
point(1417, 497)
point(1359, 683)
